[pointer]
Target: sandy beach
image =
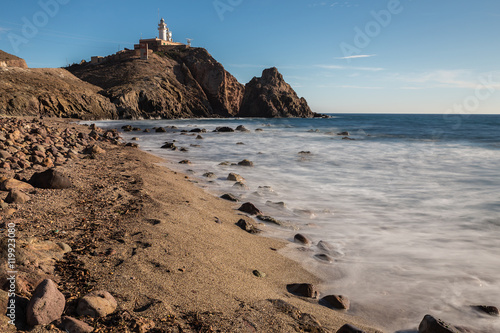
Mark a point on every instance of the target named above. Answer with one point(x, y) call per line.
point(170, 253)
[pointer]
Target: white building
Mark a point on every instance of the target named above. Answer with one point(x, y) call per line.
point(164, 32)
point(164, 41)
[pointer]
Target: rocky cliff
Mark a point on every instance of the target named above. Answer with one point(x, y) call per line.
point(52, 92)
point(222, 89)
point(176, 83)
point(270, 96)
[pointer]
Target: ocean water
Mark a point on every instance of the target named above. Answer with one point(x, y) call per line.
point(410, 207)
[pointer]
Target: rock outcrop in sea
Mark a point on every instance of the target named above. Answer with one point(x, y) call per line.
point(270, 96)
point(177, 83)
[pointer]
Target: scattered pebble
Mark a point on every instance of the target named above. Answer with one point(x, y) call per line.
point(259, 274)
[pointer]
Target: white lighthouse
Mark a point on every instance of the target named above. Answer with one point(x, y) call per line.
point(163, 42)
point(164, 33)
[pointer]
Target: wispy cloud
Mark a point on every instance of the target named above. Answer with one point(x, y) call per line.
point(358, 56)
point(338, 67)
point(357, 87)
point(411, 88)
point(346, 86)
point(4, 30)
point(459, 78)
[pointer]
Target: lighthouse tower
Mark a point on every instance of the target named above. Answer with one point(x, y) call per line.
point(164, 33)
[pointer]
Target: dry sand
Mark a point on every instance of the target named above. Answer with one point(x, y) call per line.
point(150, 237)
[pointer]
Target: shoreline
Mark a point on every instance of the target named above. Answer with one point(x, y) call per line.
point(154, 240)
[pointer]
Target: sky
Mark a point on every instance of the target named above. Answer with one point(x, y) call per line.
point(351, 56)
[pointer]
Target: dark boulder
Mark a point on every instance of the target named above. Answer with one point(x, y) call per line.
point(50, 179)
point(230, 197)
point(336, 302)
point(246, 163)
point(247, 226)
point(249, 208)
point(301, 239)
point(433, 325)
point(302, 289)
point(169, 145)
point(242, 128)
point(224, 129)
point(489, 309)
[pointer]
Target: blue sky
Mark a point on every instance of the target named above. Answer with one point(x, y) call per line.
point(401, 56)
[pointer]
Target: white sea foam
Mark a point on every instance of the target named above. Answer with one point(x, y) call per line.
point(414, 223)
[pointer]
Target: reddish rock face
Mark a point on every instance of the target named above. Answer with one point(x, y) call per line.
point(270, 96)
point(222, 89)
